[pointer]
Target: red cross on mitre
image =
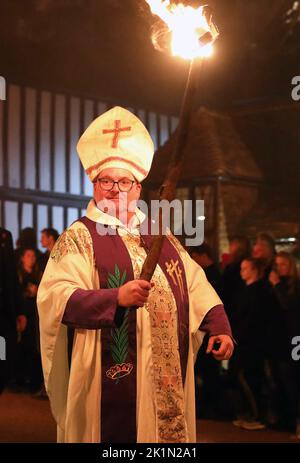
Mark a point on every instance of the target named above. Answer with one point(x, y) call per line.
point(116, 131)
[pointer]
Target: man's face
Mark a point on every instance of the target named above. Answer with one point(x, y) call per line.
point(283, 266)
point(29, 258)
point(261, 250)
point(115, 202)
point(247, 271)
point(44, 240)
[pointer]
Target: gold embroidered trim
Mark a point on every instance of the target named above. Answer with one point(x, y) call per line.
point(73, 241)
point(167, 379)
point(175, 272)
point(176, 243)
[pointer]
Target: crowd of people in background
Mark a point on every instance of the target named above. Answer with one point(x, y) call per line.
point(21, 273)
point(261, 293)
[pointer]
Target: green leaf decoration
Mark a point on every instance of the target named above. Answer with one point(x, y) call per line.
point(116, 354)
point(114, 336)
point(119, 336)
point(117, 272)
point(112, 281)
point(123, 354)
point(119, 346)
point(119, 352)
point(123, 342)
point(123, 278)
point(115, 358)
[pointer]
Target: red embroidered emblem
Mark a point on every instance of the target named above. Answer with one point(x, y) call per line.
point(119, 370)
point(116, 131)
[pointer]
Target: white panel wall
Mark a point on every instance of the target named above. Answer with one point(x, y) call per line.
point(164, 130)
point(174, 123)
point(57, 218)
point(13, 136)
point(27, 215)
point(60, 162)
point(72, 215)
point(30, 120)
point(88, 118)
point(74, 137)
point(101, 108)
point(45, 142)
point(142, 115)
point(11, 218)
point(10, 210)
point(42, 222)
point(153, 129)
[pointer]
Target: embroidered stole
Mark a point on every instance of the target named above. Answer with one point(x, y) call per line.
point(119, 349)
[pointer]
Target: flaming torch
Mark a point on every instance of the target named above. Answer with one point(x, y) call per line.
point(189, 33)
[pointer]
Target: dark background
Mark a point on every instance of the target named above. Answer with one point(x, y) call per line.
point(102, 48)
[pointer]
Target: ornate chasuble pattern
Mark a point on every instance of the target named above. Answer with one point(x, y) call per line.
point(169, 318)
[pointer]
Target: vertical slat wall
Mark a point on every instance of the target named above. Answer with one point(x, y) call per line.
point(31, 127)
point(74, 133)
point(39, 131)
point(60, 180)
point(13, 136)
point(45, 145)
point(88, 118)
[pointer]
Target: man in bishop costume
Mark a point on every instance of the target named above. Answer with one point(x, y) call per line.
point(128, 375)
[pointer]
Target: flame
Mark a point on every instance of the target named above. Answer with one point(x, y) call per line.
point(188, 27)
point(192, 33)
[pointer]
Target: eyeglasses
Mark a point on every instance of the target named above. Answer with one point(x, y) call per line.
point(107, 184)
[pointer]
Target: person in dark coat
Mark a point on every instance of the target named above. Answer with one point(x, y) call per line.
point(27, 240)
point(29, 362)
point(278, 352)
point(207, 369)
point(232, 283)
point(48, 240)
point(204, 256)
point(264, 250)
point(286, 287)
point(249, 326)
point(11, 317)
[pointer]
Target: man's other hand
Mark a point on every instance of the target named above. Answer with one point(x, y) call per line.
point(225, 349)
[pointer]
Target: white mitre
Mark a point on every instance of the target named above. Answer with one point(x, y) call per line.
point(119, 139)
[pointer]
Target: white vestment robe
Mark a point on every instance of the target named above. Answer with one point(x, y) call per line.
point(75, 395)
